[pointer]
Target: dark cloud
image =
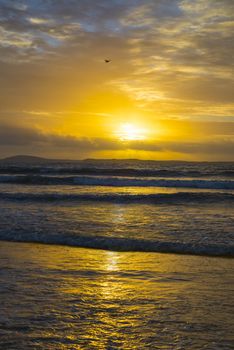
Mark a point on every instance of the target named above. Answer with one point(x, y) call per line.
point(19, 136)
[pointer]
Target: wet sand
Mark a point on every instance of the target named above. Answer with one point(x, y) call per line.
point(57, 297)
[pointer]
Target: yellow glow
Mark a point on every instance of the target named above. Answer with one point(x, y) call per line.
point(131, 132)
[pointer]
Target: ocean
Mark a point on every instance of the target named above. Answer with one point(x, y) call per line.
point(121, 205)
point(117, 254)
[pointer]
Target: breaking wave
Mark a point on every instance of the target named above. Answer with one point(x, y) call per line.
point(113, 171)
point(117, 181)
point(122, 244)
point(159, 198)
point(117, 168)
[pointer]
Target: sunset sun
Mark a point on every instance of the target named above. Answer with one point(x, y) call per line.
point(131, 132)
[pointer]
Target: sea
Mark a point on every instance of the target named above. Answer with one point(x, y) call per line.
point(117, 254)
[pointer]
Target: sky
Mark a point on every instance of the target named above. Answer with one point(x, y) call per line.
point(167, 92)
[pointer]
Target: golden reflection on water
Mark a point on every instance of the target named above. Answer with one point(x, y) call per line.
point(112, 259)
point(110, 300)
point(118, 214)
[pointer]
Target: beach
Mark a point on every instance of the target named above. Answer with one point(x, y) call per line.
point(56, 297)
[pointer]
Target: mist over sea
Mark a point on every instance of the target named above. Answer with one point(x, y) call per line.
point(123, 293)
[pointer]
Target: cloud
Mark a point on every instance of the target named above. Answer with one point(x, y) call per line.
point(19, 136)
point(171, 58)
point(15, 138)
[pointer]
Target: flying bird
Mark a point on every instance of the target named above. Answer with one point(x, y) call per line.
point(107, 61)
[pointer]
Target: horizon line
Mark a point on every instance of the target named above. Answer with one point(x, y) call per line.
point(35, 158)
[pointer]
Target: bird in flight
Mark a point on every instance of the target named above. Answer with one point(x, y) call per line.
point(107, 61)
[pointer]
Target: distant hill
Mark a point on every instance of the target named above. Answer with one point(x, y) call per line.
point(22, 159)
point(34, 160)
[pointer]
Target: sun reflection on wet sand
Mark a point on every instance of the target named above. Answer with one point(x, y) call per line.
point(90, 299)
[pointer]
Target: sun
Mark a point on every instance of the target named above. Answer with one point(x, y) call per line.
point(130, 132)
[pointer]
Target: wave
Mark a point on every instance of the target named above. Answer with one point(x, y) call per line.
point(117, 181)
point(123, 244)
point(159, 198)
point(125, 182)
point(128, 172)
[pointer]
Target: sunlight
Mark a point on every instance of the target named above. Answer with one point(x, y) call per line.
point(131, 132)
